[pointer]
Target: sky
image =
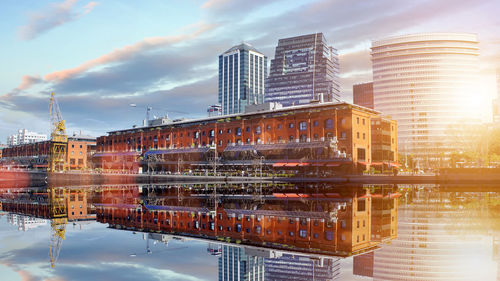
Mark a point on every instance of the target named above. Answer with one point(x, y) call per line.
point(95, 252)
point(101, 56)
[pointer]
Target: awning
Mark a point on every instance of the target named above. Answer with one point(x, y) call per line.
point(279, 164)
point(377, 163)
point(333, 164)
point(395, 165)
point(178, 151)
point(364, 163)
point(106, 154)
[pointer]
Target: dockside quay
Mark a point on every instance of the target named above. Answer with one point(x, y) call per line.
point(314, 138)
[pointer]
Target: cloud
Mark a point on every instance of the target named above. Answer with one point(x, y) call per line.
point(128, 52)
point(27, 81)
point(56, 15)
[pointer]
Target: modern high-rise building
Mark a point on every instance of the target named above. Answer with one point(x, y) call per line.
point(304, 68)
point(242, 74)
point(289, 267)
point(496, 101)
point(428, 83)
point(24, 136)
point(236, 264)
point(362, 94)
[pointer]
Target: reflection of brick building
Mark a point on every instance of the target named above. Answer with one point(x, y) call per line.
point(314, 123)
point(38, 205)
point(35, 155)
point(340, 227)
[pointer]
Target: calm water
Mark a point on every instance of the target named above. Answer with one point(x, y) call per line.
point(247, 231)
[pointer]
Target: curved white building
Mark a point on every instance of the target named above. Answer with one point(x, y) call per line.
point(428, 83)
point(436, 241)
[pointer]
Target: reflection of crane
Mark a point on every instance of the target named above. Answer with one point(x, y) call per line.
point(59, 216)
point(58, 137)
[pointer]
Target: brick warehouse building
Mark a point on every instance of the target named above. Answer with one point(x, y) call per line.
point(35, 155)
point(313, 135)
point(286, 221)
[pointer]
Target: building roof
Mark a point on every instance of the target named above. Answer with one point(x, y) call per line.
point(243, 46)
point(242, 115)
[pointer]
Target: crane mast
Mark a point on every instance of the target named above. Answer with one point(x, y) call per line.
point(58, 137)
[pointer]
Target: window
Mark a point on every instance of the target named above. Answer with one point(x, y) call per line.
point(220, 132)
point(361, 206)
point(303, 126)
point(343, 135)
point(212, 133)
point(291, 125)
point(257, 130)
point(303, 233)
point(342, 224)
point(364, 136)
point(248, 129)
point(237, 132)
point(357, 120)
point(228, 131)
point(328, 124)
point(357, 224)
point(315, 123)
point(363, 121)
point(357, 135)
point(361, 154)
point(329, 235)
point(363, 223)
point(279, 126)
point(290, 138)
point(268, 127)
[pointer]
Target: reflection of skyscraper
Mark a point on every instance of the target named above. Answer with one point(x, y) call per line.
point(294, 267)
point(303, 68)
point(242, 74)
point(435, 243)
point(236, 264)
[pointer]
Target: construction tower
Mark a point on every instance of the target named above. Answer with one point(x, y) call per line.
point(59, 215)
point(58, 138)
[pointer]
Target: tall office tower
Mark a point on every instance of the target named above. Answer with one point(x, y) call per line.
point(428, 84)
point(294, 267)
point(242, 74)
point(496, 101)
point(304, 68)
point(438, 239)
point(24, 136)
point(236, 264)
point(362, 94)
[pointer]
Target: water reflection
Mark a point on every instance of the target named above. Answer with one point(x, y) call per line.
point(263, 231)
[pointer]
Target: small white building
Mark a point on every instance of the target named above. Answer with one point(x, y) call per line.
point(24, 136)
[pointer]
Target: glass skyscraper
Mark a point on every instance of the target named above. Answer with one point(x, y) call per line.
point(428, 84)
point(303, 69)
point(242, 74)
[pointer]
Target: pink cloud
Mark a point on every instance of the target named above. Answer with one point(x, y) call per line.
point(89, 7)
point(27, 81)
point(213, 3)
point(55, 15)
point(128, 52)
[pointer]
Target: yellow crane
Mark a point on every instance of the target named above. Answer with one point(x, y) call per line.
point(59, 218)
point(56, 196)
point(58, 138)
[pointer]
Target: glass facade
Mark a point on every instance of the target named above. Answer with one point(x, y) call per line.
point(437, 240)
point(303, 68)
point(427, 83)
point(242, 72)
